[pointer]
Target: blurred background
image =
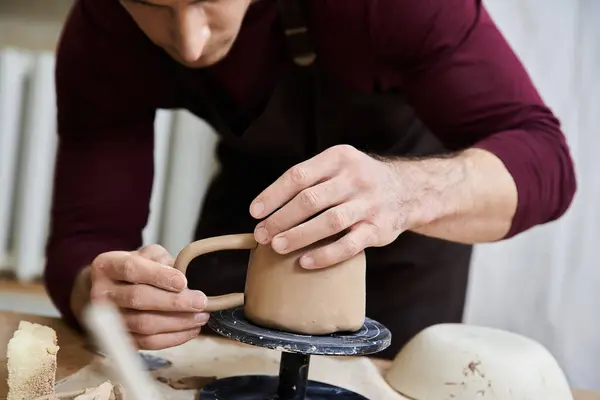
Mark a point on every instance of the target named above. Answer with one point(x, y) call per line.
point(544, 284)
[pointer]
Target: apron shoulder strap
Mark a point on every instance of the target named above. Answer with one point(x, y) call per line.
point(298, 38)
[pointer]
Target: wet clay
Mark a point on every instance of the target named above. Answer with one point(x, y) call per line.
point(280, 294)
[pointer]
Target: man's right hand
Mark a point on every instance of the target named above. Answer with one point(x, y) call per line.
point(158, 308)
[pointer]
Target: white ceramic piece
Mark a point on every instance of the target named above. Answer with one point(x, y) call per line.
point(458, 361)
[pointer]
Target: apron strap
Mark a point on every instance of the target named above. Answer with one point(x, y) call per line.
point(296, 32)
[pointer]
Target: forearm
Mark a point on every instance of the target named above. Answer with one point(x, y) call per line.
point(488, 102)
point(470, 197)
point(80, 295)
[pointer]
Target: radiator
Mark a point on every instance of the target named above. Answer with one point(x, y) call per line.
point(184, 165)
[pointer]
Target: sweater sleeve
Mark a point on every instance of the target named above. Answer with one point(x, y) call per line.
point(469, 87)
point(104, 169)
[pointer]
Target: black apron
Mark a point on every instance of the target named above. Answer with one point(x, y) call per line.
point(414, 282)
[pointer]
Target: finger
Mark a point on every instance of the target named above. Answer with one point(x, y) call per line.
point(307, 203)
point(152, 322)
point(164, 340)
point(149, 298)
point(301, 176)
point(157, 253)
point(359, 237)
point(128, 267)
point(326, 224)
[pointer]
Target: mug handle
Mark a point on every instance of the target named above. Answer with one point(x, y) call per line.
point(241, 241)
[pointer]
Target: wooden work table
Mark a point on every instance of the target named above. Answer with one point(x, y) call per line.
point(73, 355)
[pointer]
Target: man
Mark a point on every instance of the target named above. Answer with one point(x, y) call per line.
point(409, 126)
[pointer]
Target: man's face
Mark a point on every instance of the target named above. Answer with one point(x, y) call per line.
point(197, 33)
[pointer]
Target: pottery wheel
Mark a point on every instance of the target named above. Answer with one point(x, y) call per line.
point(292, 382)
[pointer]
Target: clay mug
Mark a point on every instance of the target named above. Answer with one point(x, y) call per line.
point(280, 294)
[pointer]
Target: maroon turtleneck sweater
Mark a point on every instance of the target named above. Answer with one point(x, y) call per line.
point(460, 75)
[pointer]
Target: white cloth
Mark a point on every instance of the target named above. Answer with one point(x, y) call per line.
point(546, 283)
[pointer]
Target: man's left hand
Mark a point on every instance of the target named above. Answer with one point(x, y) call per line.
point(372, 200)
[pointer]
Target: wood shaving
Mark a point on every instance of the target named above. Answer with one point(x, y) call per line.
point(104, 391)
point(118, 393)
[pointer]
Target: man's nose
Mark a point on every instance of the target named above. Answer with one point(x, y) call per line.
point(192, 33)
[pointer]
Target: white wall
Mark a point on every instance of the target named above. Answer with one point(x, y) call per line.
point(34, 24)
